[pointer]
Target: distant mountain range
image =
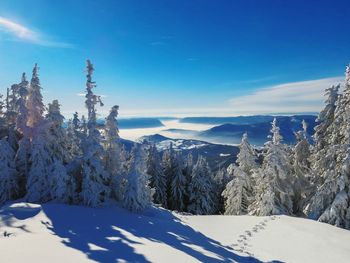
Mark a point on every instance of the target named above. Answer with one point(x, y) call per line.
point(227, 130)
point(258, 132)
point(232, 120)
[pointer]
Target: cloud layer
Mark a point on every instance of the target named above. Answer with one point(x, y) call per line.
point(296, 97)
point(22, 33)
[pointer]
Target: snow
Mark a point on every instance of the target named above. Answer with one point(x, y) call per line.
point(62, 233)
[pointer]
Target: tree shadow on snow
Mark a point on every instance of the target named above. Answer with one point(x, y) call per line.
point(106, 234)
point(12, 212)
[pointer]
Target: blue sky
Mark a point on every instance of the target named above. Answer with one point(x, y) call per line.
point(165, 57)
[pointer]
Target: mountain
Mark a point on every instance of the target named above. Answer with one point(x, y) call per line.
point(68, 233)
point(258, 132)
point(217, 155)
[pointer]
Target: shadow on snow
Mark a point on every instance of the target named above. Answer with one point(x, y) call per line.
point(105, 234)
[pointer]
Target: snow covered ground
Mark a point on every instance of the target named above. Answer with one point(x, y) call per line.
point(61, 233)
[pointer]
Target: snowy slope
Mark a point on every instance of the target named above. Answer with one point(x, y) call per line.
point(61, 233)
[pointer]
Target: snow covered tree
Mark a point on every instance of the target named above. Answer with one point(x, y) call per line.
point(301, 169)
point(37, 184)
point(246, 158)
point(173, 170)
point(57, 137)
point(239, 191)
point(35, 103)
point(158, 181)
point(9, 187)
point(62, 186)
point(38, 187)
point(138, 194)
point(114, 154)
point(221, 179)
point(22, 117)
point(95, 190)
point(11, 115)
point(23, 152)
point(274, 193)
point(324, 151)
point(177, 197)
point(202, 197)
point(331, 203)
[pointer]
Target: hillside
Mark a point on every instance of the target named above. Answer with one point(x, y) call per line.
point(55, 233)
point(217, 155)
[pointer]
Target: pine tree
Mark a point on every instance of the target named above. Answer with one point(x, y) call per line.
point(23, 152)
point(95, 182)
point(158, 181)
point(62, 185)
point(138, 194)
point(301, 169)
point(173, 171)
point(330, 202)
point(37, 185)
point(57, 140)
point(202, 198)
point(274, 194)
point(9, 187)
point(35, 103)
point(114, 154)
point(11, 115)
point(246, 158)
point(221, 179)
point(239, 191)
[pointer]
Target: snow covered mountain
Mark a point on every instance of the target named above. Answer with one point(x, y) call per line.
point(55, 233)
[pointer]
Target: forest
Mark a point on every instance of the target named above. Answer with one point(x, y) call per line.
point(44, 158)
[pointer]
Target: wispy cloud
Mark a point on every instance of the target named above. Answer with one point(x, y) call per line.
point(22, 33)
point(295, 97)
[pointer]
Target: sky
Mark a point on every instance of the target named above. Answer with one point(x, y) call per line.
point(179, 58)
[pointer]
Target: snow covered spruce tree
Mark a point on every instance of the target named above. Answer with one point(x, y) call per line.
point(37, 186)
point(324, 151)
point(201, 189)
point(221, 179)
point(173, 170)
point(11, 115)
point(138, 194)
point(274, 192)
point(3, 126)
point(238, 193)
point(23, 151)
point(9, 187)
point(96, 182)
point(158, 181)
point(57, 135)
point(114, 156)
point(301, 169)
point(330, 202)
point(62, 186)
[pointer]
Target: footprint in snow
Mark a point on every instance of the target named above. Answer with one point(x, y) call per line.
point(248, 233)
